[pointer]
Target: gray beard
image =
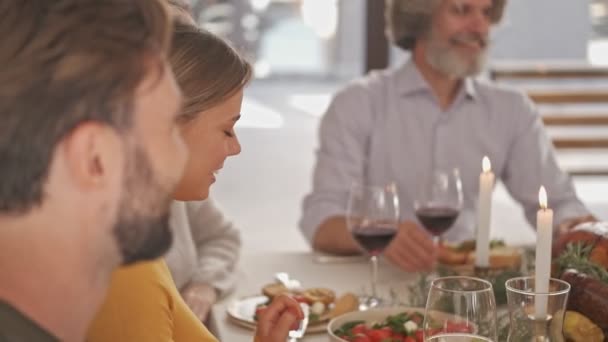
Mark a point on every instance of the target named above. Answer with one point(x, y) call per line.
point(449, 62)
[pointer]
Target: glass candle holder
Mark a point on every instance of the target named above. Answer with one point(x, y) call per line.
point(537, 317)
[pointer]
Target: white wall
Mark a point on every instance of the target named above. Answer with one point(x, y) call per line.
point(543, 29)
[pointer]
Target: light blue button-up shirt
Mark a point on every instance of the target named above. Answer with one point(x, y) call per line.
point(389, 127)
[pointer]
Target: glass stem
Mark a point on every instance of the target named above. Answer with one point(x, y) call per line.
point(374, 262)
point(437, 241)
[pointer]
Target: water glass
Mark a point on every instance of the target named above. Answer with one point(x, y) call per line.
point(460, 309)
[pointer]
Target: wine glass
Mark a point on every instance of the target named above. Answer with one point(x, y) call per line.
point(439, 201)
point(460, 309)
point(372, 217)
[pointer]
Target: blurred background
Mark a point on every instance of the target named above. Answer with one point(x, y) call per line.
point(304, 50)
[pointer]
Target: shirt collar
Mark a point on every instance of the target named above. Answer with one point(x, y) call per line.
point(409, 80)
point(469, 88)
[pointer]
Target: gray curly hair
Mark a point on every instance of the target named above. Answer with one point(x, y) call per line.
point(408, 20)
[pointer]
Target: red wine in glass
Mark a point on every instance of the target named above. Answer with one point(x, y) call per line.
point(437, 220)
point(372, 218)
point(374, 239)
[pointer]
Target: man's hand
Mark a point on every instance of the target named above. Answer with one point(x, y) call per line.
point(200, 297)
point(412, 249)
point(281, 316)
point(568, 224)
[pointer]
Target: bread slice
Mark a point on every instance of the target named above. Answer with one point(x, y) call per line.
point(448, 255)
point(274, 289)
point(463, 255)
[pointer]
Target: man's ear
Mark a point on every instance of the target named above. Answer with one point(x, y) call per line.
point(93, 153)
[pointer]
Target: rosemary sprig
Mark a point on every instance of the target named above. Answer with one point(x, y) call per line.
point(576, 256)
point(418, 290)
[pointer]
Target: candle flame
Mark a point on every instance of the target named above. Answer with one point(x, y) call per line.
point(486, 166)
point(542, 197)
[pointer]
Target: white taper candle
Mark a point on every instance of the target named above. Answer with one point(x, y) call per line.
point(486, 185)
point(544, 236)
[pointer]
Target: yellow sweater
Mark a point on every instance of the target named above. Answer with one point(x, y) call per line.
point(143, 305)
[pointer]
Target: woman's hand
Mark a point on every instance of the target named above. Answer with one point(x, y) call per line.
point(281, 316)
point(200, 297)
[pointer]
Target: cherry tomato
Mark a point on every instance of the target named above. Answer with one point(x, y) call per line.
point(361, 338)
point(454, 327)
point(360, 329)
point(378, 335)
point(419, 335)
point(398, 336)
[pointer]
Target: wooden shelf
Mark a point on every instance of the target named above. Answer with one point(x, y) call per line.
point(575, 97)
point(575, 119)
point(561, 96)
point(547, 70)
point(580, 143)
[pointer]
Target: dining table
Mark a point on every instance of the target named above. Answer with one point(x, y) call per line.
point(341, 274)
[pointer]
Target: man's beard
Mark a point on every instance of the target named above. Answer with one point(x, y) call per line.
point(142, 228)
point(448, 60)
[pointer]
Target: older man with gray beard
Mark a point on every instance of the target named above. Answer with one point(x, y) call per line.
point(429, 114)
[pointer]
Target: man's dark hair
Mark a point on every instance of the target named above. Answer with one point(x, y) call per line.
point(63, 63)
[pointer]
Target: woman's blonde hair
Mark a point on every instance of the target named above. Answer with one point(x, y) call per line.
point(207, 69)
point(408, 20)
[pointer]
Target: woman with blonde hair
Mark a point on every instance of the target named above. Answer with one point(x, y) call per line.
point(206, 244)
point(143, 303)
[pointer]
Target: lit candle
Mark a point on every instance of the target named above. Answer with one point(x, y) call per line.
point(486, 184)
point(544, 235)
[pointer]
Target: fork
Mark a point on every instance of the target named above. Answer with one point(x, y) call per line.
point(295, 335)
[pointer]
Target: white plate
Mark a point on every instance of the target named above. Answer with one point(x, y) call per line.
point(241, 313)
point(369, 316)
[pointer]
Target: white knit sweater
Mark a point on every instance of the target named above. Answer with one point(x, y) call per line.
point(206, 246)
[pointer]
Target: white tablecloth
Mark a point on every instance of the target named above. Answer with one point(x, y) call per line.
point(342, 276)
